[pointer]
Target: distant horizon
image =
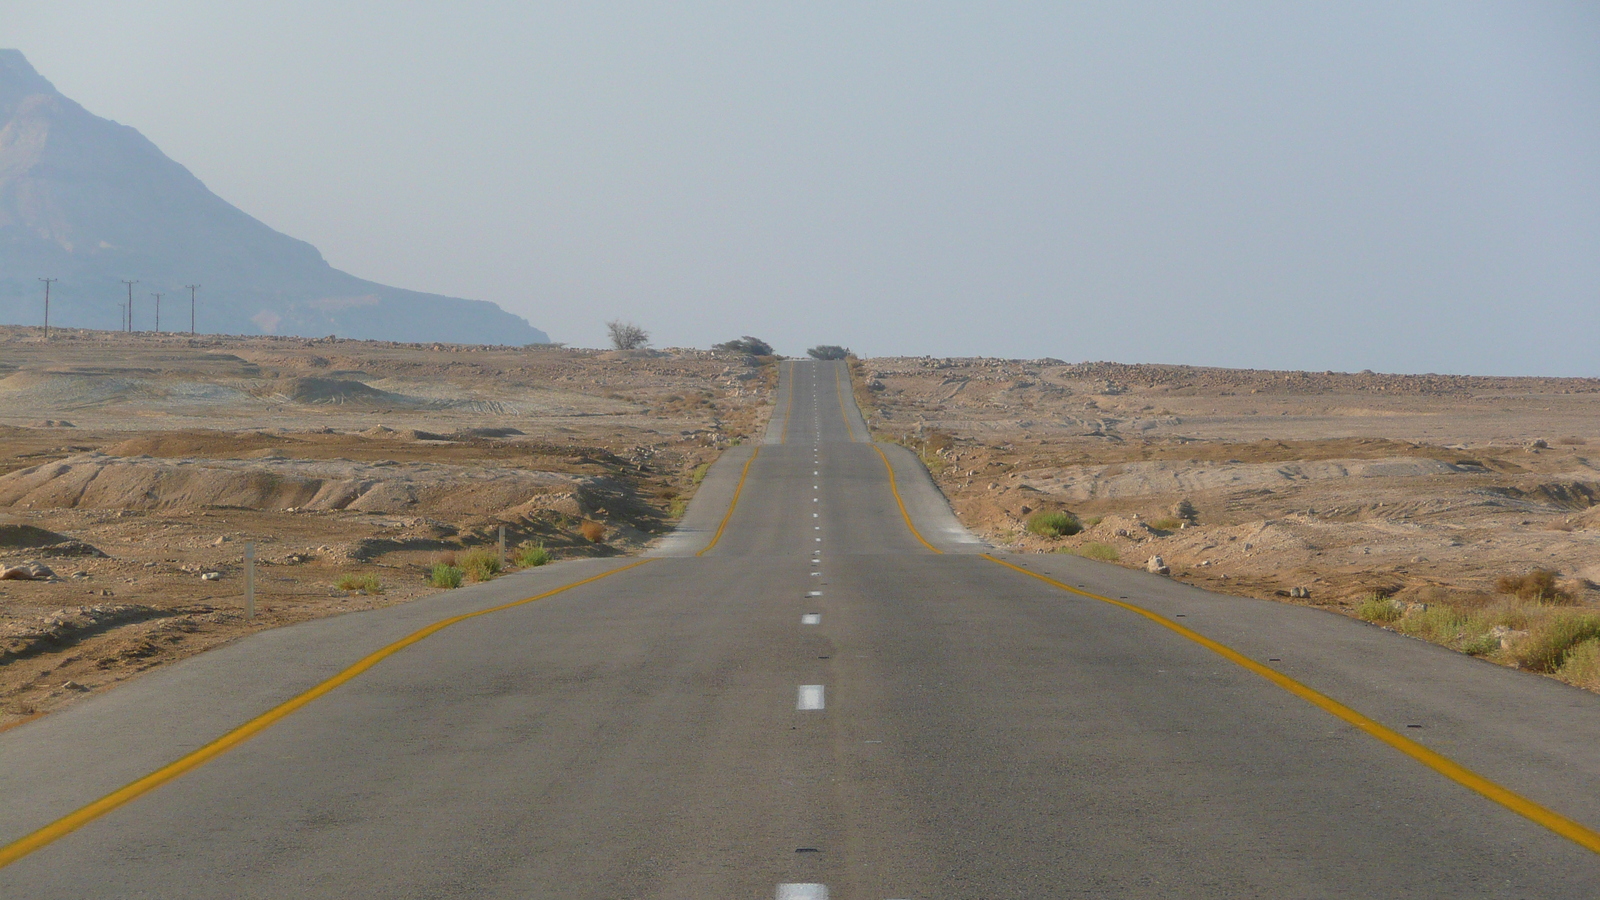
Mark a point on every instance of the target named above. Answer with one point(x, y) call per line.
point(1412, 190)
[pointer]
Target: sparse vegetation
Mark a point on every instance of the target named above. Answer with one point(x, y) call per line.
point(592, 531)
point(444, 575)
point(481, 563)
point(363, 582)
point(1102, 552)
point(676, 507)
point(626, 335)
point(1582, 665)
point(828, 351)
point(750, 346)
point(700, 471)
point(1550, 641)
point(1054, 524)
point(1166, 523)
point(528, 556)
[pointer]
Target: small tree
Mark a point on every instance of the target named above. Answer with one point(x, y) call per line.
point(750, 346)
point(627, 336)
point(828, 351)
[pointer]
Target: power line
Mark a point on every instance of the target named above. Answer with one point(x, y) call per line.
point(47, 305)
point(158, 311)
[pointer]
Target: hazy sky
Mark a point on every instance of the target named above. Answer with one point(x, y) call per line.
point(1396, 186)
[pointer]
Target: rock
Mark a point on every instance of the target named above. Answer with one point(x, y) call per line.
point(31, 570)
point(211, 576)
point(1506, 636)
point(1300, 593)
point(1158, 566)
point(1540, 444)
point(220, 541)
point(73, 686)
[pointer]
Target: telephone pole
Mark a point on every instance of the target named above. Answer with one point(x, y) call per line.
point(130, 285)
point(192, 288)
point(47, 305)
point(158, 311)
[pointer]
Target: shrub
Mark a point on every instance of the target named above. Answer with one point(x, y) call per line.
point(1549, 642)
point(1166, 523)
point(1538, 586)
point(750, 346)
point(367, 582)
point(828, 351)
point(626, 335)
point(1054, 524)
point(700, 472)
point(1440, 624)
point(1582, 665)
point(444, 575)
point(1102, 552)
point(1379, 608)
point(530, 555)
point(593, 532)
point(481, 564)
point(677, 507)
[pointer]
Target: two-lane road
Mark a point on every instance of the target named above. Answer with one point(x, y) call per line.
point(824, 702)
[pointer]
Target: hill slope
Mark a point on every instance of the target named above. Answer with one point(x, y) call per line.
point(91, 202)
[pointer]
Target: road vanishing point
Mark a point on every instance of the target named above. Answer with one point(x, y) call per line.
point(820, 686)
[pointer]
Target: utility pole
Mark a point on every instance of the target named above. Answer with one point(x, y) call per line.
point(192, 288)
point(130, 285)
point(158, 311)
point(47, 305)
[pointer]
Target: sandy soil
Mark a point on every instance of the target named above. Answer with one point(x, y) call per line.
point(137, 468)
point(1331, 485)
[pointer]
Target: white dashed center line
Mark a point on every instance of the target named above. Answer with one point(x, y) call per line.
point(813, 593)
point(811, 619)
point(802, 892)
point(810, 697)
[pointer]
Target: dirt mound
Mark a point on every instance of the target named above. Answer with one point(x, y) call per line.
point(99, 481)
point(43, 542)
point(1560, 494)
point(340, 391)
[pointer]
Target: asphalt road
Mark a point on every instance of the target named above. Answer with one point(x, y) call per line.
point(981, 733)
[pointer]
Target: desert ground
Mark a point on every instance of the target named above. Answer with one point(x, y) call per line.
point(1421, 502)
point(135, 469)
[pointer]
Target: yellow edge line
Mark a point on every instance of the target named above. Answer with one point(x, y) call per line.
point(71, 822)
point(901, 503)
point(789, 409)
point(743, 474)
point(1577, 833)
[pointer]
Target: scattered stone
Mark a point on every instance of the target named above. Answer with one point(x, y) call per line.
point(211, 576)
point(220, 541)
point(73, 686)
point(1158, 566)
point(1300, 593)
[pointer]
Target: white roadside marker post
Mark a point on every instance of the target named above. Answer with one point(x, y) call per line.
point(250, 580)
point(502, 547)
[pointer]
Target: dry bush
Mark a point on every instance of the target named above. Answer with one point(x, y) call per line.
point(593, 532)
point(447, 558)
point(481, 564)
point(1537, 586)
point(1166, 523)
point(1102, 552)
point(367, 582)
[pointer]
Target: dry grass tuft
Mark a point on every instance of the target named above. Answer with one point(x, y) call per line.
point(1054, 524)
point(593, 532)
point(481, 564)
point(444, 575)
point(366, 582)
point(531, 555)
point(1102, 552)
point(1550, 641)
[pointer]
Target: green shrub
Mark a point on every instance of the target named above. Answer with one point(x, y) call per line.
point(1582, 665)
point(677, 507)
point(1549, 642)
point(367, 582)
point(700, 472)
point(1102, 552)
point(530, 555)
point(481, 564)
point(1440, 624)
point(444, 575)
point(1054, 524)
point(1379, 608)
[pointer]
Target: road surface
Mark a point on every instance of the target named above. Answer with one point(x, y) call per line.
point(806, 698)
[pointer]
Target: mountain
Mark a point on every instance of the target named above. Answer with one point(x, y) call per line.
point(91, 202)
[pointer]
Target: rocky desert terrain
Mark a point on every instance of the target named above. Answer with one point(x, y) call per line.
point(1422, 502)
point(136, 468)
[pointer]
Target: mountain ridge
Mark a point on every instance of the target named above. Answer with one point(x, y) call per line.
point(92, 202)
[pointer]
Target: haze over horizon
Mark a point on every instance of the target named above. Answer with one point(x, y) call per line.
point(1412, 188)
